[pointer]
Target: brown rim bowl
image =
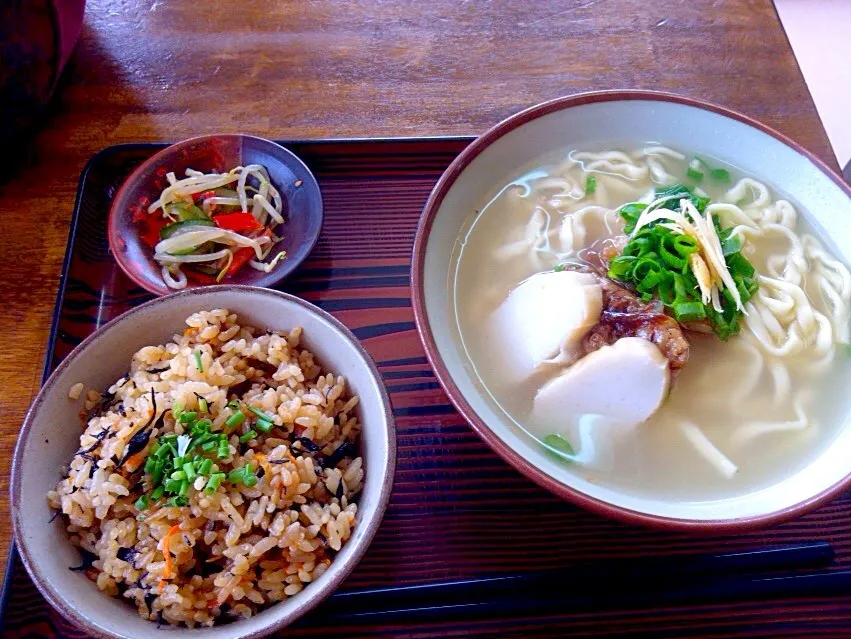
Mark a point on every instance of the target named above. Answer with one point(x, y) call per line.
point(129, 219)
point(51, 431)
point(511, 148)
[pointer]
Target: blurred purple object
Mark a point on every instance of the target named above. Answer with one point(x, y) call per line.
point(68, 19)
point(37, 38)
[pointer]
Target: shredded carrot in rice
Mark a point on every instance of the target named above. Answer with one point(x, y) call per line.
point(261, 459)
point(134, 461)
point(167, 554)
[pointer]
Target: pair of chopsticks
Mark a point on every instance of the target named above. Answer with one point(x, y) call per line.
point(604, 584)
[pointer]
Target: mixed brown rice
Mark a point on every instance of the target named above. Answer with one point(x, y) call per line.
point(231, 553)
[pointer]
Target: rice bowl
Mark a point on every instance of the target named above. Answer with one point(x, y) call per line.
point(283, 493)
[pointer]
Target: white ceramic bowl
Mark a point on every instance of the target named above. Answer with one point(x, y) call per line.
point(51, 431)
point(502, 154)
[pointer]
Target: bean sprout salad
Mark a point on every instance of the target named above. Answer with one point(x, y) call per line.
point(214, 224)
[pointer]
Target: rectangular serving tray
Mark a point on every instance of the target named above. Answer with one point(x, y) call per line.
point(457, 510)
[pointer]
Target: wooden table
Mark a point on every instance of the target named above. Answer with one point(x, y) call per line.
point(153, 70)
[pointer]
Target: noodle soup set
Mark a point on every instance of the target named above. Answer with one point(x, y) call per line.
point(645, 319)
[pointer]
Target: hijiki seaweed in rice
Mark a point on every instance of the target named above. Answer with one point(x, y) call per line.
point(218, 477)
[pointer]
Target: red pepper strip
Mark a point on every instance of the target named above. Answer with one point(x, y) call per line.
point(200, 197)
point(242, 256)
point(201, 278)
point(150, 227)
point(239, 221)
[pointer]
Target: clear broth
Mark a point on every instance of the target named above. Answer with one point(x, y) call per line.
point(658, 462)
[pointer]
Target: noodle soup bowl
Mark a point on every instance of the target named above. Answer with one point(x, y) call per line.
point(132, 231)
point(511, 149)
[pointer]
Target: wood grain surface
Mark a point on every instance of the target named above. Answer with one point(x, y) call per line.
point(153, 70)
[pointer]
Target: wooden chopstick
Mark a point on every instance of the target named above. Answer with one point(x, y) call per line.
point(607, 583)
point(724, 589)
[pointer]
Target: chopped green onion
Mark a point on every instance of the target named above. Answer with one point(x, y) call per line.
point(205, 467)
point(680, 289)
point(630, 213)
point(223, 450)
point(244, 475)
point(241, 475)
point(652, 282)
point(158, 492)
point(655, 263)
point(172, 485)
point(208, 446)
point(685, 244)
point(235, 420)
point(248, 436)
point(142, 503)
point(175, 410)
point(689, 311)
point(738, 264)
point(213, 483)
point(198, 364)
point(260, 413)
point(158, 472)
point(187, 417)
point(644, 266)
point(720, 175)
point(150, 464)
point(178, 475)
point(184, 488)
point(638, 247)
point(166, 450)
point(189, 469)
point(202, 405)
point(590, 185)
point(559, 445)
point(264, 426)
point(234, 403)
point(716, 222)
point(203, 439)
point(731, 245)
point(621, 266)
point(670, 254)
point(694, 174)
point(695, 169)
point(558, 268)
point(681, 192)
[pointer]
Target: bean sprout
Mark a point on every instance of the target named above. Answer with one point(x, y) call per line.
point(211, 217)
